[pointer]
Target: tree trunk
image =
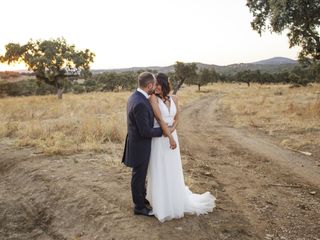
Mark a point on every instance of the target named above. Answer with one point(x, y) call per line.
point(177, 87)
point(59, 93)
point(199, 87)
point(60, 88)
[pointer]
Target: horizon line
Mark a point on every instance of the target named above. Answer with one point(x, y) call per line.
point(151, 66)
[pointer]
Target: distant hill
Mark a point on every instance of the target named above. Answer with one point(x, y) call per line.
point(269, 68)
point(165, 69)
point(276, 61)
point(272, 65)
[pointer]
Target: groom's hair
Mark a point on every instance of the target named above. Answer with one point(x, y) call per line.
point(145, 78)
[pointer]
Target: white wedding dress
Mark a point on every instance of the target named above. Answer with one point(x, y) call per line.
point(166, 190)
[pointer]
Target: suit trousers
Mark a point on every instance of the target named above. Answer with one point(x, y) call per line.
point(138, 185)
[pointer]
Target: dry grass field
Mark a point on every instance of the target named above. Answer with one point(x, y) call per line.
point(61, 177)
point(90, 122)
point(292, 115)
point(87, 122)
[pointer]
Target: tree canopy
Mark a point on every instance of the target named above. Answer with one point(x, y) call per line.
point(301, 18)
point(52, 61)
point(183, 72)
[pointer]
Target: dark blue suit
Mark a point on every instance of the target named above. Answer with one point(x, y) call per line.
point(140, 120)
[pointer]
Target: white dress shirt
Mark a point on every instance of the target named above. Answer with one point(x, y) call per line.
point(143, 92)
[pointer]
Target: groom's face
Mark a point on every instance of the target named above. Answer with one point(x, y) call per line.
point(151, 87)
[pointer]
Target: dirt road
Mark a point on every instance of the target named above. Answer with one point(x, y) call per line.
point(263, 191)
point(270, 188)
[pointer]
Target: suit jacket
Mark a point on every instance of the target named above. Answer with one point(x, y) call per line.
point(140, 120)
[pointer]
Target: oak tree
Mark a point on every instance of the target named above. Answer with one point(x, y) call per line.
point(300, 18)
point(52, 61)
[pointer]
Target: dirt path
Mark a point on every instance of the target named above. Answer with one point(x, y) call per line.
point(270, 187)
point(263, 191)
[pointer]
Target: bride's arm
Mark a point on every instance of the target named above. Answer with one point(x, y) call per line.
point(156, 110)
point(176, 117)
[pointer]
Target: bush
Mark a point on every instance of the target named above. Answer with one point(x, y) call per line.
point(25, 88)
point(78, 88)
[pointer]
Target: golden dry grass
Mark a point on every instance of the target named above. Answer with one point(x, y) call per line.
point(77, 123)
point(97, 121)
point(291, 113)
point(87, 122)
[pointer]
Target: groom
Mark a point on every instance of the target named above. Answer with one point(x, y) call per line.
point(140, 120)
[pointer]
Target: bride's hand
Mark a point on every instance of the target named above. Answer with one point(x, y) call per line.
point(173, 143)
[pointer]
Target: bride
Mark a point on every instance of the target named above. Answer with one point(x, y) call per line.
point(166, 190)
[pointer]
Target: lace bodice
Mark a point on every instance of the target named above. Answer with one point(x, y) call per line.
point(167, 114)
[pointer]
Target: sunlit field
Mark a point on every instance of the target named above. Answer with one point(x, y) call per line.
point(97, 121)
point(87, 122)
point(293, 114)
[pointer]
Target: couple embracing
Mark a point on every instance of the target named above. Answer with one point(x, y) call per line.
point(152, 151)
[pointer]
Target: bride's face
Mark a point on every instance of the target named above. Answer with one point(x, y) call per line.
point(158, 89)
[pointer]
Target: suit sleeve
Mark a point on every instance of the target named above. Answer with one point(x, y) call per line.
point(143, 124)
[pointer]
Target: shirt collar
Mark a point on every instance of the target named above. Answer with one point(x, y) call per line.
point(143, 92)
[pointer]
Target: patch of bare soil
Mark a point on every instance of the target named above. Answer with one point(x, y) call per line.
point(262, 190)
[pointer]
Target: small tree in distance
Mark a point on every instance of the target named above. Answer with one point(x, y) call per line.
point(206, 76)
point(183, 72)
point(52, 61)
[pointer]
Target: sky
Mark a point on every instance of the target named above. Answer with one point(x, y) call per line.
point(140, 33)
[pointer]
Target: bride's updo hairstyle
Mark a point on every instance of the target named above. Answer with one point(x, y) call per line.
point(163, 81)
